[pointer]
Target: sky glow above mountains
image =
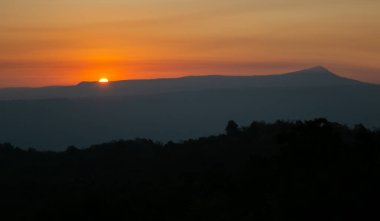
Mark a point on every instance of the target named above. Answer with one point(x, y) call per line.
point(50, 42)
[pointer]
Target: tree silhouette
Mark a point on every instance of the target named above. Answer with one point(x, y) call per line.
point(232, 128)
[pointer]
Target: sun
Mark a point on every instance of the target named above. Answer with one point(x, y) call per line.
point(103, 80)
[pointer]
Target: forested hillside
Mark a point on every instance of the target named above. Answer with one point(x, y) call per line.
point(309, 170)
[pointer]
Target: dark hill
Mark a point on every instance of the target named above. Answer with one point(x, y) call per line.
point(314, 170)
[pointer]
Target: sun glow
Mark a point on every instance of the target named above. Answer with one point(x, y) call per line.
point(103, 80)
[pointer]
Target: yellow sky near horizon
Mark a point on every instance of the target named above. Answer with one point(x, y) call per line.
point(45, 42)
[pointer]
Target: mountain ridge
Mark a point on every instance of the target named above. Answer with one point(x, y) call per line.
point(316, 70)
point(178, 109)
point(313, 77)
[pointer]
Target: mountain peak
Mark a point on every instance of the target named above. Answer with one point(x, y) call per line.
point(319, 70)
point(319, 75)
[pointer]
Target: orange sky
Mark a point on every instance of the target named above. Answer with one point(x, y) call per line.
point(50, 42)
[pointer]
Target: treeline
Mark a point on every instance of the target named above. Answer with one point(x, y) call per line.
point(311, 170)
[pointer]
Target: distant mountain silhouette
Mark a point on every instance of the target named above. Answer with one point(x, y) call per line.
point(180, 108)
point(317, 76)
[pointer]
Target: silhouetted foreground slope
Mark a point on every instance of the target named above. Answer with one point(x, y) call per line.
point(313, 170)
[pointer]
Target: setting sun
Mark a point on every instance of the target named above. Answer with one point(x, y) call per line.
point(103, 80)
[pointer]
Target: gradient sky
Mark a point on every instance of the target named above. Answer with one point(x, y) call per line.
point(45, 42)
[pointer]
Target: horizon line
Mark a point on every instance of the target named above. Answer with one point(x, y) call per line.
point(180, 77)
